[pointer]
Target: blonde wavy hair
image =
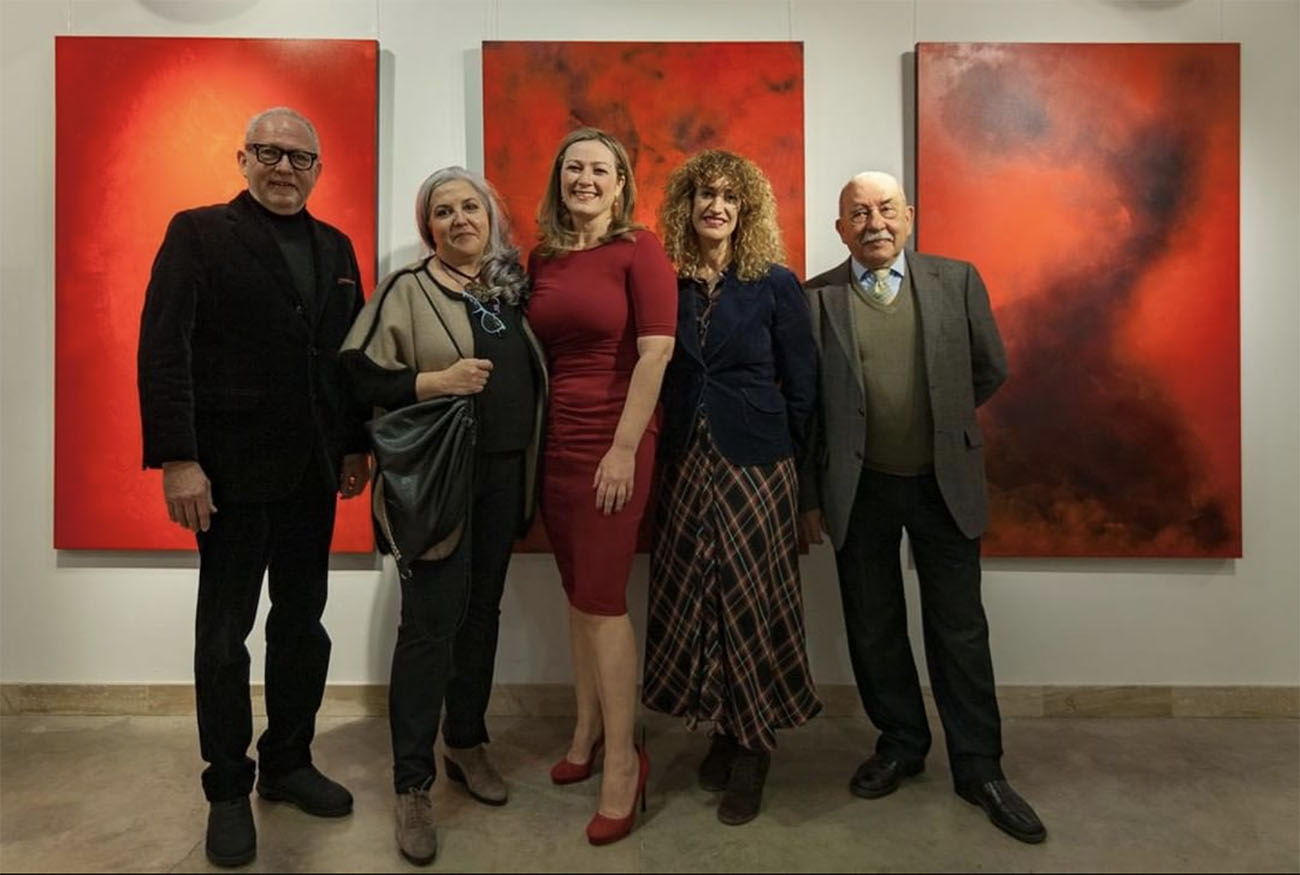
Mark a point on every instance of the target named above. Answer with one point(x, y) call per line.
point(756, 242)
point(554, 225)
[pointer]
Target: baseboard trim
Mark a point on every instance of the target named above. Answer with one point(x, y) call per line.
point(556, 700)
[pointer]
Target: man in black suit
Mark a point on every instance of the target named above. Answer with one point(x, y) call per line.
point(908, 349)
point(243, 408)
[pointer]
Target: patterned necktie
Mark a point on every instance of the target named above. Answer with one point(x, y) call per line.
point(880, 289)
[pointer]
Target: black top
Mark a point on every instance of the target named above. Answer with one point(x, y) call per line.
point(293, 237)
point(508, 402)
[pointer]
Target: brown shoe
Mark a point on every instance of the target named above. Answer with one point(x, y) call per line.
point(470, 766)
point(715, 768)
point(744, 795)
point(417, 838)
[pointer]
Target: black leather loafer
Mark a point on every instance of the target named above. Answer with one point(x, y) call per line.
point(881, 775)
point(1009, 813)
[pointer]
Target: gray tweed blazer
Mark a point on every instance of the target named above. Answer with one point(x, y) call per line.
point(965, 364)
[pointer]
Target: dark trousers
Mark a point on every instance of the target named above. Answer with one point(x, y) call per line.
point(290, 539)
point(956, 631)
point(447, 640)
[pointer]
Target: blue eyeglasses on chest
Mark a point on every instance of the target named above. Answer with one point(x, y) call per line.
point(490, 322)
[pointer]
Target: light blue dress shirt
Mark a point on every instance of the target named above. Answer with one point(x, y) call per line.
point(867, 277)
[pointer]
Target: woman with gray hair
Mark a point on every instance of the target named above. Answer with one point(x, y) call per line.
point(451, 324)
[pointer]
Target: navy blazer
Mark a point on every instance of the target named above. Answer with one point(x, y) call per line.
point(756, 376)
point(235, 370)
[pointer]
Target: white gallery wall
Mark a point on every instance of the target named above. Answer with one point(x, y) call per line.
point(128, 618)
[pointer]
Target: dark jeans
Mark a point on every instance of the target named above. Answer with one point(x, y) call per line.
point(289, 538)
point(447, 641)
point(956, 631)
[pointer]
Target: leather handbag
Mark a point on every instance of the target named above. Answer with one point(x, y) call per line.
point(424, 454)
point(424, 462)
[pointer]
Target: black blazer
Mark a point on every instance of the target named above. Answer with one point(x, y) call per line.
point(234, 369)
point(756, 375)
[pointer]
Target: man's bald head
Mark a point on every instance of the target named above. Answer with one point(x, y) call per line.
point(876, 181)
point(875, 218)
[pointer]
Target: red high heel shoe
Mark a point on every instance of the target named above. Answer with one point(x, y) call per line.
point(568, 772)
point(602, 830)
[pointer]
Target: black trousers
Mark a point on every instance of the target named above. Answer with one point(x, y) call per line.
point(447, 640)
point(956, 631)
point(290, 539)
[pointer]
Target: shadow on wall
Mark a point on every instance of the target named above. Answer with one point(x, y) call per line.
point(189, 12)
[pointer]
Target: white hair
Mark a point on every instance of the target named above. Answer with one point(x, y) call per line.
point(878, 178)
point(282, 111)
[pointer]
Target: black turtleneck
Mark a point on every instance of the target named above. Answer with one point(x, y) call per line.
point(293, 236)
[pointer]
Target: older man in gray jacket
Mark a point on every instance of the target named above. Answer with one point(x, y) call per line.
point(908, 350)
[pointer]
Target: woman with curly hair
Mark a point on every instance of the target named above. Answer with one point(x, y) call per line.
point(725, 632)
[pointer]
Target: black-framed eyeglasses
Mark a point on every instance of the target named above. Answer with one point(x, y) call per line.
point(299, 159)
point(490, 322)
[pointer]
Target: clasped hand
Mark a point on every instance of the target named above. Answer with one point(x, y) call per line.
point(466, 377)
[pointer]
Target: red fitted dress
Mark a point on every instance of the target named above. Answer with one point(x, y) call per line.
point(588, 308)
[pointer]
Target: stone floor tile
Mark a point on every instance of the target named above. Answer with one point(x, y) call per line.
point(1188, 795)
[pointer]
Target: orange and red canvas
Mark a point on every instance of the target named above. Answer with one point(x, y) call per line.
point(664, 102)
point(1096, 189)
point(146, 127)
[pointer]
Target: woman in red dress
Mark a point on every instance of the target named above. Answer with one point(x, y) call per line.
point(604, 306)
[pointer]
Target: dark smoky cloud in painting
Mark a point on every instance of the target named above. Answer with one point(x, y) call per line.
point(691, 133)
point(993, 111)
point(1080, 425)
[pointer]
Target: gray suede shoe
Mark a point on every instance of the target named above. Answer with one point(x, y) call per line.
point(470, 766)
point(417, 838)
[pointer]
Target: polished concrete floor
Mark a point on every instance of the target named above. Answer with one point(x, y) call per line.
point(112, 794)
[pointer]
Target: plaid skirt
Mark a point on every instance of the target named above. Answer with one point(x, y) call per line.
point(724, 632)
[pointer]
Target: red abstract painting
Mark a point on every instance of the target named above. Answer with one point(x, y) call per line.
point(146, 127)
point(1096, 189)
point(664, 102)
